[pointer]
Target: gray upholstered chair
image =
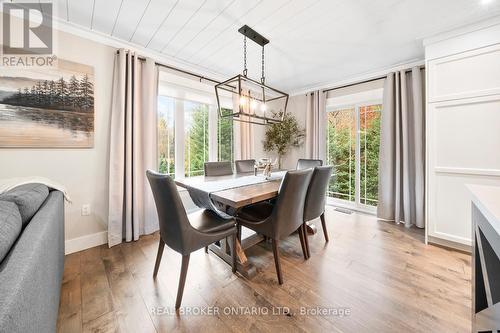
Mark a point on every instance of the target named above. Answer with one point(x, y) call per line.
point(304, 163)
point(185, 233)
point(282, 219)
point(314, 205)
point(244, 166)
point(213, 169)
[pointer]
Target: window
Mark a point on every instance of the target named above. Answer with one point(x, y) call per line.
point(369, 124)
point(190, 131)
point(352, 147)
point(353, 135)
point(166, 138)
point(225, 137)
point(341, 143)
point(195, 138)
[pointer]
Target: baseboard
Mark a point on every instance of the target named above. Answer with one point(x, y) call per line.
point(85, 242)
point(449, 244)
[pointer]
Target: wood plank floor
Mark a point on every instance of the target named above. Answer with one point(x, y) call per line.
point(381, 276)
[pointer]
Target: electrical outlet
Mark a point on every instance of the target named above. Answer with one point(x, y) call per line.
point(85, 210)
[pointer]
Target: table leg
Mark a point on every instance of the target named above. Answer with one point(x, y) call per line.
point(240, 253)
point(223, 249)
point(243, 266)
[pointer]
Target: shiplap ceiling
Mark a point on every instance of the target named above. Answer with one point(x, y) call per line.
point(312, 41)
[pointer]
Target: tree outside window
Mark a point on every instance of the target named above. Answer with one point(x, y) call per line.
point(343, 135)
point(225, 137)
point(196, 135)
point(166, 135)
point(196, 138)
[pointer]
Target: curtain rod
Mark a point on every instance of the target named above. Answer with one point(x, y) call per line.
point(177, 69)
point(367, 81)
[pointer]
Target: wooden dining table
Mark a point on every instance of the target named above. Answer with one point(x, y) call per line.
point(230, 201)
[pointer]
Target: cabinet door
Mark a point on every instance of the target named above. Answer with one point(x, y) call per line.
point(463, 137)
point(466, 75)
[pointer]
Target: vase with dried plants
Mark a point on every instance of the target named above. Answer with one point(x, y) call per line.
point(283, 136)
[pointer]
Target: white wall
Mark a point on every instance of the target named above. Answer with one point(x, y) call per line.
point(297, 107)
point(83, 171)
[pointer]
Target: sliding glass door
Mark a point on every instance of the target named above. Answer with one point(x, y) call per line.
point(369, 141)
point(353, 134)
point(341, 153)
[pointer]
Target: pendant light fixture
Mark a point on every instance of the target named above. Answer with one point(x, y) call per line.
point(253, 101)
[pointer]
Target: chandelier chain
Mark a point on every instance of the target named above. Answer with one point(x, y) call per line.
point(263, 77)
point(245, 56)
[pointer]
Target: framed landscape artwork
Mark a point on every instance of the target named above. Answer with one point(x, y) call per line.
point(47, 107)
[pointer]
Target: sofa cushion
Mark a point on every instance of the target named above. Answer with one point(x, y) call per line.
point(10, 226)
point(28, 198)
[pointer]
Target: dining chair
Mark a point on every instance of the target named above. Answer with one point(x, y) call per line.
point(185, 233)
point(282, 219)
point(314, 205)
point(305, 163)
point(244, 166)
point(213, 169)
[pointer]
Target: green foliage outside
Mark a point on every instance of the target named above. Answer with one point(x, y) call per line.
point(225, 137)
point(341, 146)
point(369, 147)
point(196, 138)
point(341, 154)
point(166, 135)
point(166, 147)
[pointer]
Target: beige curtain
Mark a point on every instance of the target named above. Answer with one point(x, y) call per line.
point(316, 125)
point(132, 148)
point(402, 155)
point(243, 136)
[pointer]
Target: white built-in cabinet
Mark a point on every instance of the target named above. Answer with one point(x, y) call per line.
point(462, 127)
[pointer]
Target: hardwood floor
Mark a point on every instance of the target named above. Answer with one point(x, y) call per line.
point(381, 275)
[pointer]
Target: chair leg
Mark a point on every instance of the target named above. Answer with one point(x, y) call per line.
point(306, 241)
point(323, 224)
point(182, 280)
point(277, 261)
point(206, 249)
point(235, 237)
point(161, 245)
point(302, 243)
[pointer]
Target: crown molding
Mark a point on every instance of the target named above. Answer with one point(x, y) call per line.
point(359, 77)
point(159, 57)
point(105, 39)
point(461, 30)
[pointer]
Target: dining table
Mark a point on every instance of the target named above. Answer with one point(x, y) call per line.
point(226, 195)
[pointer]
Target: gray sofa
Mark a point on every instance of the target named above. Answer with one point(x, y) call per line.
point(31, 258)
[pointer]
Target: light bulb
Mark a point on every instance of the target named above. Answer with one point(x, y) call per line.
point(243, 100)
point(253, 104)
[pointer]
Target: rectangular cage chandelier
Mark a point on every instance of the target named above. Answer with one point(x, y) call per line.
point(253, 101)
